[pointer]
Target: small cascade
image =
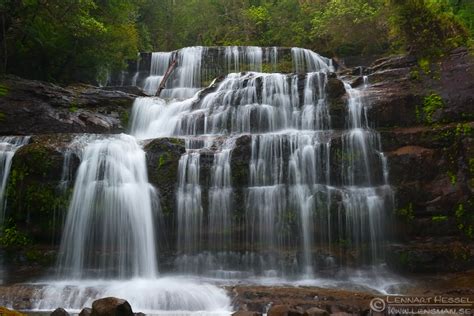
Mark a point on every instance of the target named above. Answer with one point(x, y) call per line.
point(242, 103)
point(8, 146)
point(305, 60)
point(137, 72)
point(271, 57)
point(205, 242)
point(266, 200)
point(189, 206)
point(220, 199)
point(367, 194)
point(196, 67)
point(185, 80)
point(247, 58)
point(109, 228)
point(159, 64)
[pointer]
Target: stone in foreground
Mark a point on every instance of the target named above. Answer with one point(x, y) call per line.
point(111, 306)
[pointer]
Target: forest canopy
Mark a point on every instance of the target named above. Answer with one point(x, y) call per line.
point(83, 40)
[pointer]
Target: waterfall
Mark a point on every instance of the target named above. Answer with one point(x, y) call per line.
point(367, 195)
point(310, 198)
point(297, 197)
point(109, 228)
point(108, 246)
point(8, 146)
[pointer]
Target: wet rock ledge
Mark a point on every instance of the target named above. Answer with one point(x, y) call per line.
point(34, 107)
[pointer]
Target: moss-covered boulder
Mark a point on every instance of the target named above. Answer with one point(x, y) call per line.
point(162, 157)
point(36, 202)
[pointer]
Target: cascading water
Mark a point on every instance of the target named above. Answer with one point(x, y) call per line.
point(220, 199)
point(367, 194)
point(185, 81)
point(305, 60)
point(109, 227)
point(294, 199)
point(313, 194)
point(108, 245)
point(159, 64)
point(8, 146)
point(189, 206)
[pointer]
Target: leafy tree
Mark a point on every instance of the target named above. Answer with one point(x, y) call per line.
point(426, 27)
point(351, 27)
point(84, 40)
point(67, 40)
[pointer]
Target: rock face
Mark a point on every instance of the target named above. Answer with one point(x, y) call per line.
point(401, 88)
point(425, 115)
point(34, 107)
point(111, 306)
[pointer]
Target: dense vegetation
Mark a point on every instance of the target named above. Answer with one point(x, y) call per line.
point(82, 40)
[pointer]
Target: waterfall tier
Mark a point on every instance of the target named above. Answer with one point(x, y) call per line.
point(311, 193)
point(109, 230)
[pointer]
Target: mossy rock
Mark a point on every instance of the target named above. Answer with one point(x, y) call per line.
point(162, 157)
point(34, 200)
point(335, 88)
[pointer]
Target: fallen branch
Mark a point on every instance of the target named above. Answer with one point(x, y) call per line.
point(165, 77)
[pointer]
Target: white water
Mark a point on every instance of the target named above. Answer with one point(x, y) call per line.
point(159, 64)
point(162, 296)
point(109, 235)
point(109, 228)
point(291, 185)
point(8, 146)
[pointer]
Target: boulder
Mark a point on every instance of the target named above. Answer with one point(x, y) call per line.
point(335, 88)
point(36, 200)
point(59, 312)
point(162, 158)
point(86, 312)
point(111, 306)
